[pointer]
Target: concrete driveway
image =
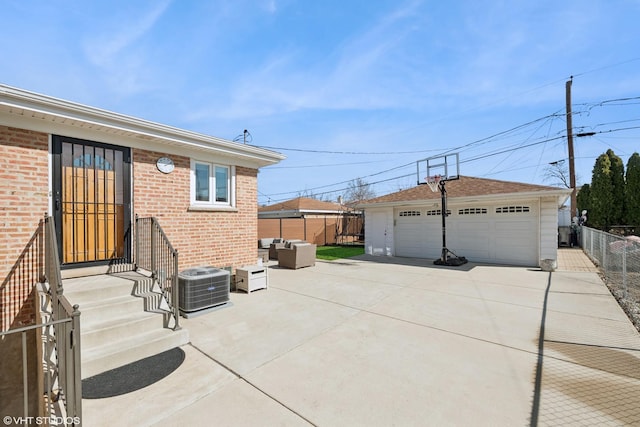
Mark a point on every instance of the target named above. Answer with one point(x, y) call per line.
point(390, 341)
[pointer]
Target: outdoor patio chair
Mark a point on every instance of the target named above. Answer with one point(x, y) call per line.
point(273, 248)
point(297, 255)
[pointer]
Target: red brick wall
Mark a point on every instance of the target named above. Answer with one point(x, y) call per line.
point(217, 238)
point(24, 187)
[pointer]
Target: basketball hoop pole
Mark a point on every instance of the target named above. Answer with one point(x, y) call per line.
point(443, 202)
point(455, 260)
point(440, 169)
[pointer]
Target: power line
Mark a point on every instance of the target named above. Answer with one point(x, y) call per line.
point(345, 152)
point(322, 166)
point(493, 138)
point(606, 67)
point(468, 160)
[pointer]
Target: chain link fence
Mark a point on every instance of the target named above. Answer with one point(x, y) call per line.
point(618, 259)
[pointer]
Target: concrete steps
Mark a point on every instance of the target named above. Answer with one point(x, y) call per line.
point(120, 320)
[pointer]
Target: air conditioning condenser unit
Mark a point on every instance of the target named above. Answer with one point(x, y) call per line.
point(201, 288)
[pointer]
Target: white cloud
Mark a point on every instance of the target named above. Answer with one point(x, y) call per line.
point(357, 74)
point(271, 6)
point(117, 50)
point(104, 49)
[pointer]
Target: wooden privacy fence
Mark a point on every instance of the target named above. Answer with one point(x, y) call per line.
point(321, 230)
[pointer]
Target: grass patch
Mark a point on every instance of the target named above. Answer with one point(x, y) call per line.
point(331, 253)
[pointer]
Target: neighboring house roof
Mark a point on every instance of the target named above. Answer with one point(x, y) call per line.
point(469, 189)
point(300, 206)
point(28, 110)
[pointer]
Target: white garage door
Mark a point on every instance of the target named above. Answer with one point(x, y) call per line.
point(505, 233)
point(418, 233)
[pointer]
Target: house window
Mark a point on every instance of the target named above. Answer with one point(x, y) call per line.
point(409, 213)
point(203, 173)
point(222, 184)
point(472, 211)
point(512, 209)
point(211, 184)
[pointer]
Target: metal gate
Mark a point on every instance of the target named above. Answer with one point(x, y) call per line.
point(91, 201)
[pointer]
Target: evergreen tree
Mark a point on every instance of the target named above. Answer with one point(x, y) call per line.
point(584, 201)
point(617, 210)
point(632, 191)
point(601, 193)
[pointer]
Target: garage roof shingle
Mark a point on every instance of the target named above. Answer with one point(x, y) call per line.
point(466, 186)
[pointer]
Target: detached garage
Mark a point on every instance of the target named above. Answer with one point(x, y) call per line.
point(487, 221)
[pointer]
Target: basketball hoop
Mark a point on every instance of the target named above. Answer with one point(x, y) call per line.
point(433, 182)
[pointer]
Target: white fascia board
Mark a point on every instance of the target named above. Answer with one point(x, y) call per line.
point(525, 195)
point(43, 107)
point(560, 193)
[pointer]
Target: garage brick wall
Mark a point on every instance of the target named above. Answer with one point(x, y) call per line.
point(23, 202)
point(219, 238)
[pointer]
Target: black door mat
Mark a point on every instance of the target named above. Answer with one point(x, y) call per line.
point(132, 377)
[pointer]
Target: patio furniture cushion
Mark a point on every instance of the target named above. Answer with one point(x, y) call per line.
point(273, 249)
point(265, 243)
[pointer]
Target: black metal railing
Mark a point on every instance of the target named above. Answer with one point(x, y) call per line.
point(59, 394)
point(154, 253)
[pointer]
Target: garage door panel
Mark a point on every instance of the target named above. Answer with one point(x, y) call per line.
point(516, 240)
point(474, 227)
point(510, 228)
point(469, 238)
point(515, 256)
point(415, 242)
point(484, 233)
point(417, 236)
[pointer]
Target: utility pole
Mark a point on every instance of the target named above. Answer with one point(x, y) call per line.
point(572, 171)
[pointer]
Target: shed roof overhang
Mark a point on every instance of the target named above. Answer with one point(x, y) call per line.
point(297, 213)
point(29, 110)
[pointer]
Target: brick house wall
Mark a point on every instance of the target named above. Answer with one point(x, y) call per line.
point(219, 238)
point(24, 190)
point(222, 238)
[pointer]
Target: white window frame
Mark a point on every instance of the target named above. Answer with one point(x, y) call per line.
point(212, 203)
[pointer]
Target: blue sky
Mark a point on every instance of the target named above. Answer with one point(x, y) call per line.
point(351, 88)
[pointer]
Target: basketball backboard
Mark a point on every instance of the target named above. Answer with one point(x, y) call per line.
point(447, 167)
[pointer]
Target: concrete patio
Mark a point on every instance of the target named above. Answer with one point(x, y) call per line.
point(392, 341)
